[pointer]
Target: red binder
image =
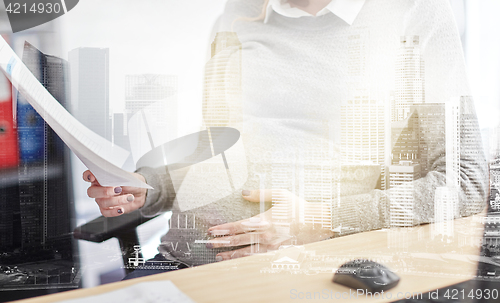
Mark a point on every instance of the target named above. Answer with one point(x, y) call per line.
point(9, 151)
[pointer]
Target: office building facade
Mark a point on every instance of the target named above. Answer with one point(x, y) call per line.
point(44, 216)
point(283, 177)
point(401, 177)
point(431, 126)
point(145, 90)
point(154, 96)
point(446, 209)
point(470, 148)
point(90, 88)
point(319, 183)
point(410, 71)
point(405, 137)
point(363, 133)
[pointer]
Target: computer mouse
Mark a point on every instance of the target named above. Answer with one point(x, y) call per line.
point(366, 274)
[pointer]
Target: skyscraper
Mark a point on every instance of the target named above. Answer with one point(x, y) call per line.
point(90, 88)
point(452, 144)
point(44, 213)
point(222, 87)
point(463, 144)
point(304, 184)
point(471, 148)
point(156, 95)
point(364, 126)
point(358, 63)
point(445, 210)
point(8, 195)
point(319, 182)
point(401, 178)
point(144, 90)
point(431, 120)
point(405, 137)
point(495, 144)
point(410, 86)
point(282, 178)
point(363, 130)
point(495, 176)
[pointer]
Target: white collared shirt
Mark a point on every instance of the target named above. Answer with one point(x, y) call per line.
point(347, 10)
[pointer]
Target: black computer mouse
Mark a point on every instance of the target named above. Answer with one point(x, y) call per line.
point(366, 274)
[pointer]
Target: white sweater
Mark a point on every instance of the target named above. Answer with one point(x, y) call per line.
point(295, 78)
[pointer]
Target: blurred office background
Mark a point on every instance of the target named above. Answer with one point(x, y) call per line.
point(171, 38)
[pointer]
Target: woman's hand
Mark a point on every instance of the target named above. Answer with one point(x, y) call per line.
point(263, 229)
point(115, 201)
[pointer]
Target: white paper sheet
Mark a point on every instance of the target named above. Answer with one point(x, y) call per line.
point(103, 158)
point(146, 292)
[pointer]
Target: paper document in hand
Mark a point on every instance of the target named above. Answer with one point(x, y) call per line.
point(103, 158)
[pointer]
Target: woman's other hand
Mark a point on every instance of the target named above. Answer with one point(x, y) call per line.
point(115, 201)
point(262, 232)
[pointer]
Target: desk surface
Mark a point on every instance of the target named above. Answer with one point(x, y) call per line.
point(424, 264)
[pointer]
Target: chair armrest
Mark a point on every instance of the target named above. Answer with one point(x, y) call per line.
point(103, 228)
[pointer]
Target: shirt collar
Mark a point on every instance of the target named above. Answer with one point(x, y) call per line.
point(346, 10)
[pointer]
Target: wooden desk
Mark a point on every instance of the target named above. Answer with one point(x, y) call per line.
point(422, 263)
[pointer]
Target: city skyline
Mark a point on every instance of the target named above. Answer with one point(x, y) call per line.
point(366, 109)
